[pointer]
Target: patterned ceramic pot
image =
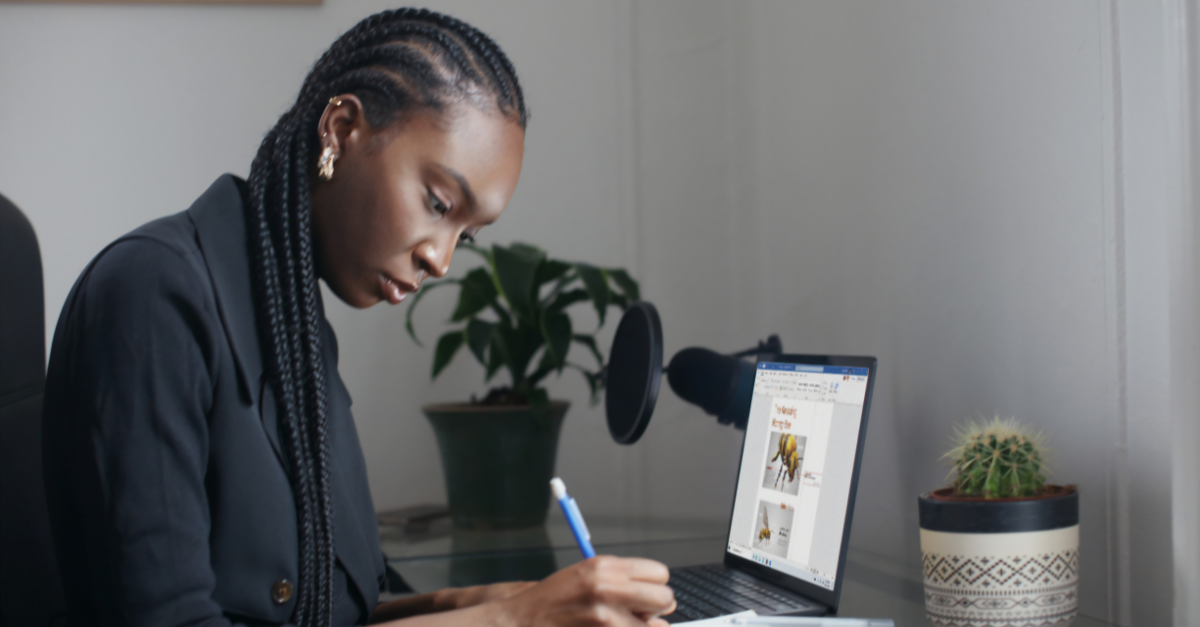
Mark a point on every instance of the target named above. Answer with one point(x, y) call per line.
point(1001, 563)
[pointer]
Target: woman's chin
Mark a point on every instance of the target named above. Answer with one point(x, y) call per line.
point(358, 299)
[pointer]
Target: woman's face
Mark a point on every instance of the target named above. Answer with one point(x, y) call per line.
point(401, 199)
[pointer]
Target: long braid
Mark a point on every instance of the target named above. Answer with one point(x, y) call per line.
point(395, 61)
point(271, 219)
point(314, 365)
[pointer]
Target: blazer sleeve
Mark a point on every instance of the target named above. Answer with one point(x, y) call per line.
point(140, 377)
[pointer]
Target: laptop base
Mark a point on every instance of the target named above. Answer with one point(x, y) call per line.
point(715, 590)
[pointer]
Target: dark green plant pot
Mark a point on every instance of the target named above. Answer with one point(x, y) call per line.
point(498, 463)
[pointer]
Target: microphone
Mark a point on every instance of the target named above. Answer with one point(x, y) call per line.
point(722, 385)
point(719, 384)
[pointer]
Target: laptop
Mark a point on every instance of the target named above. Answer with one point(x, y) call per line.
point(790, 528)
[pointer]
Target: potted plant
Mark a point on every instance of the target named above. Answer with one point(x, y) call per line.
point(498, 452)
point(999, 546)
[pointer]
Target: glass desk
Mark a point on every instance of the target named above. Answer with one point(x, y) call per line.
point(440, 557)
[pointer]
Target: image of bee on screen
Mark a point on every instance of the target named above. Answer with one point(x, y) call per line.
point(785, 457)
point(773, 528)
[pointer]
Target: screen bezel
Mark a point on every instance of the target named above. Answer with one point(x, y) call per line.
point(766, 573)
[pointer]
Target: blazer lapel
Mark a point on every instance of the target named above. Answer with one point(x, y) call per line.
point(219, 218)
point(221, 231)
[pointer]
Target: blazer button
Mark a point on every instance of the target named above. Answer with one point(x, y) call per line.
point(281, 592)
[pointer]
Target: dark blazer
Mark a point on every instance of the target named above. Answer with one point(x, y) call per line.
point(165, 479)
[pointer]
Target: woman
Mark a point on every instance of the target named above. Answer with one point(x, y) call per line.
point(202, 466)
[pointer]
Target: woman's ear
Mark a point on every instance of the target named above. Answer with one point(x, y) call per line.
point(342, 123)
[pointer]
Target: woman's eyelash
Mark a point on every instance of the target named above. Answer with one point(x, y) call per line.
point(437, 204)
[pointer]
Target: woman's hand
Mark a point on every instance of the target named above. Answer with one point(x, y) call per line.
point(446, 600)
point(602, 591)
point(477, 595)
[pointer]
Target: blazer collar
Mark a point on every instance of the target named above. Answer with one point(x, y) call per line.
point(219, 217)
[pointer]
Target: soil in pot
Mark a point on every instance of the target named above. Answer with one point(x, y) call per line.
point(498, 461)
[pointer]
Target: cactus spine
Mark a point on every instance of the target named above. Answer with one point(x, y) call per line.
point(997, 459)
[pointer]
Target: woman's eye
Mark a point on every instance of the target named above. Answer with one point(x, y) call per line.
point(467, 237)
point(437, 204)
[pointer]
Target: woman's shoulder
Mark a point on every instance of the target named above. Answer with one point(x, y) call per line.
point(164, 255)
point(156, 255)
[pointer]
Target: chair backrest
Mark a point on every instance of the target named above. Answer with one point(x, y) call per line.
point(30, 589)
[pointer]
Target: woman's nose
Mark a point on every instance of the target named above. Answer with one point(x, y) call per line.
point(435, 259)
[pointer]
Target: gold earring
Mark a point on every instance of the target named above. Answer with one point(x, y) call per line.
point(325, 164)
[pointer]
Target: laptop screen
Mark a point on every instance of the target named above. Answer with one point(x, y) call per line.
point(797, 468)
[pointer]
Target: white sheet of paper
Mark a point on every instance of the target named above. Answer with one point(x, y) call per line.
point(720, 620)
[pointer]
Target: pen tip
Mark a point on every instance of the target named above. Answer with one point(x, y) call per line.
point(558, 488)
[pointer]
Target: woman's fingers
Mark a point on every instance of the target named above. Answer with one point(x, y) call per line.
point(597, 616)
point(635, 584)
point(645, 570)
point(601, 591)
point(647, 599)
point(670, 610)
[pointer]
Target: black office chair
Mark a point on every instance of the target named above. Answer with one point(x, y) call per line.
point(30, 590)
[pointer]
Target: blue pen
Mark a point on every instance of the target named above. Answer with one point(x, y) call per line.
point(574, 518)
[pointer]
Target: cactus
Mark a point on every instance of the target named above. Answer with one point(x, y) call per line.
point(997, 459)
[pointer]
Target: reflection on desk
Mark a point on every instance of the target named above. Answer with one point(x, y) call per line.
point(440, 557)
point(440, 539)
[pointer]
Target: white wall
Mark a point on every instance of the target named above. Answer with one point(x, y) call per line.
point(925, 183)
point(987, 196)
point(1185, 327)
point(113, 115)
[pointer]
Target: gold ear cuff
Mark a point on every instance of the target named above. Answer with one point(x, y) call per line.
point(325, 163)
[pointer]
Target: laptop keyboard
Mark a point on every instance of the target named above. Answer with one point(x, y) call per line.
point(713, 590)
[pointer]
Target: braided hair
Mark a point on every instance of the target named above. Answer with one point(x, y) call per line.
point(395, 62)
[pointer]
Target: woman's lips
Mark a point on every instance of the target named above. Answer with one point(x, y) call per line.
point(395, 290)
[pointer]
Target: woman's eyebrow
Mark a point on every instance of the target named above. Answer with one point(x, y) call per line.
point(462, 182)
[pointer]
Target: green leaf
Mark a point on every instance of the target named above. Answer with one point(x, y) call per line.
point(594, 380)
point(482, 252)
point(562, 284)
point(596, 283)
point(495, 358)
point(515, 268)
point(539, 403)
point(549, 271)
point(628, 286)
point(543, 369)
point(447, 346)
point(479, 337)
point(619, 300)
point(590, 342)
point(567, 299)
point(518, 347)
point(477, 293)
point(556, 330)
point(416, 298)
point(522, 247)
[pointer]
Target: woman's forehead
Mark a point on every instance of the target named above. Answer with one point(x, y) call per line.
point(483, 149)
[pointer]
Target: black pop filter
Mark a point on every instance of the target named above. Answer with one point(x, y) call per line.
point(634, 372)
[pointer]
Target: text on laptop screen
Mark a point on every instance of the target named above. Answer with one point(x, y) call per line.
point(797, 464)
